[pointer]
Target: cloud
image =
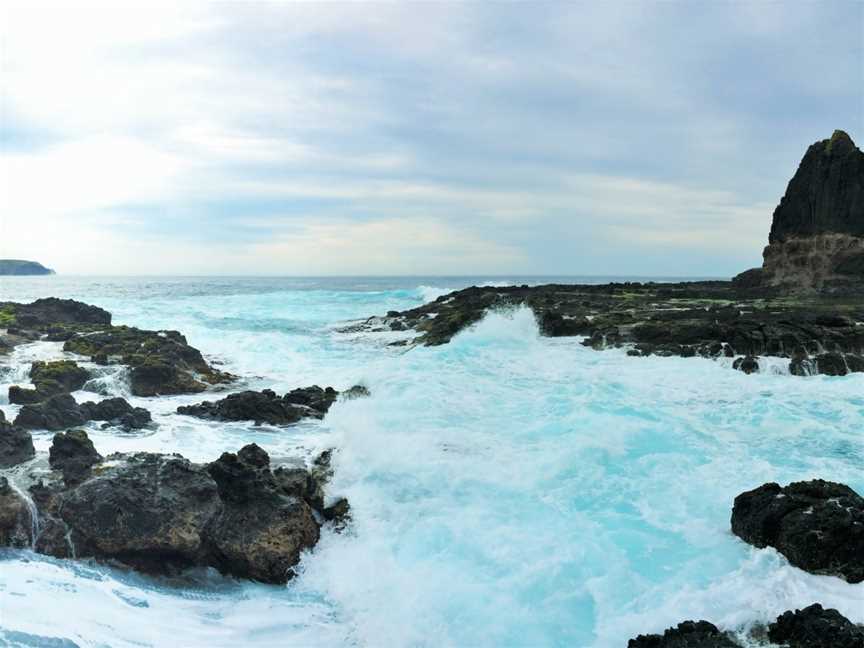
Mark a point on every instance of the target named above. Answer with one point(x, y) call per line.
point(295, 138)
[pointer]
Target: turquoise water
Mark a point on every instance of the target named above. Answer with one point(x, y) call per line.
point(507, 489)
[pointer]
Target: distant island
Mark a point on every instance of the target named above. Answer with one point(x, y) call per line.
point(18, 267)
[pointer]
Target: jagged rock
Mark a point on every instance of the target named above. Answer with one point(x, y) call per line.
point(52, 311)
point(266, 406)
point(16, 445)
point(817, 234)
point(118, 413)
point(260, 532)
point(161, 362)
point(357, 391)
point(817, 525)
point(59, 412)
point(162, 513)
point(815, 627)
point(688, 634)
point(73, 454)
point(62, 412)
point(747, 364)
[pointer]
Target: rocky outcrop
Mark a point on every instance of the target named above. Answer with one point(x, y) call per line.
point(708, 319)
point(16, 445)
point(161, 362)
point(62, 412)
point(812, 627)
point(50, 379)
point(818, 525)
point(16, 523)
point(817, 233)
point(688, 634)
point(815, 627)
point(162, 513)
point(19, 267)
point(268, 407)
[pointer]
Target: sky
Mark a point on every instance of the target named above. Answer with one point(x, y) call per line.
point(620, 138)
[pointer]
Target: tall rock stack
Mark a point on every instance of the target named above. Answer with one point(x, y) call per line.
point(817, 234)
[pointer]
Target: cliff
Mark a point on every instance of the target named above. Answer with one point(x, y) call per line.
point(817, 233)
point(17, 267)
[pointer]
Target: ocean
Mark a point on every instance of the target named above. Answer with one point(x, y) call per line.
point(506, 489)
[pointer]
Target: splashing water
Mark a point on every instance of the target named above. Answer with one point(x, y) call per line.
point(506, 489)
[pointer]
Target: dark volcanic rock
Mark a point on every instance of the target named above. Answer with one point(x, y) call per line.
point(52, 311)
point(150, 512)
point(817, 234)
point(260, 532)
point(751, 278)
point(817, 525)
point(688, 634)
point(15, 522)
point(58, 376)
point(62, 412)
point(117, 412)
point(16, 445)
point(21, 396)
point(826, 194)
point(268, 407)
point(815, 627)
point(55, 413)
point(73, 454)
point(161, 513)
point(747, 364)
point(161, 362)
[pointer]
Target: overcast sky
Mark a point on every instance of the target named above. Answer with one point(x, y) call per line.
point(415, 138)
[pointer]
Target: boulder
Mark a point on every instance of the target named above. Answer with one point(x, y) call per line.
point(817, 525)
point(815, 627)
point(59, 412)
point(23, 396)
point(73, 454)
point(117, 412)
point(16, 445)
point(162, 513)
point(58, 376)
point(260, 532)
point(688, 634)
point(268, 407)
point(747, 364)
point(62, 412)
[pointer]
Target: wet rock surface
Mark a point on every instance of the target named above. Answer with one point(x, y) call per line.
point(16, 445)
point(688, 634)
point(817, 525)
point(707, 319)
point(268, 407)
point(161, 513)
point(161, 362)
point(62, 412)
point(815, 627)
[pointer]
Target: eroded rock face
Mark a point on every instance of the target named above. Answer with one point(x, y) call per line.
point(162, 513)
point(815, 627)
point(268, 407)
point(817, 233)
point(64, 375)
point(817, 525)
point(16, 445)
point(688, 634)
